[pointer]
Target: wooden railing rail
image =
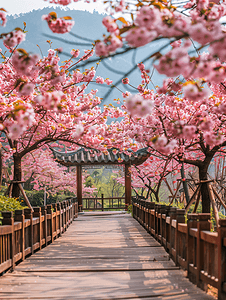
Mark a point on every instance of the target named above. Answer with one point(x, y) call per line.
point(101, 203)
point(27, 231)
point(191, 245)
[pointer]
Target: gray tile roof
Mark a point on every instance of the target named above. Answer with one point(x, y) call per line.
point(91, 156)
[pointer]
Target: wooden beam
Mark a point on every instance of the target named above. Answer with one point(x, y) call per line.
point(215, 210)
point(79, 186)
point(25, 197)
point(219, 198)
point(168, 186)
point(192, 199)
point(127, 184)
point(175, 194)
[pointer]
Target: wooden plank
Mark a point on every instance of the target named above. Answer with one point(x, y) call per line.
point(5, 265)
point(209, 237)
point(182, 227)
point(193, 232)
point(6, 229)
point(109, 257)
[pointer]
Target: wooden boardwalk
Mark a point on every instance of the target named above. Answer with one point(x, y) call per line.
point(100, 257)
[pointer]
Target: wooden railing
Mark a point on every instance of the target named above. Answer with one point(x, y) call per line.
point(103, 203)
point(191, 245)
point(27, 231)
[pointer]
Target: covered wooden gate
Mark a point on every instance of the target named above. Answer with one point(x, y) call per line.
point(84, 157)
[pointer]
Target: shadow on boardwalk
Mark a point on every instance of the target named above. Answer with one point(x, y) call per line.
point(100, 257)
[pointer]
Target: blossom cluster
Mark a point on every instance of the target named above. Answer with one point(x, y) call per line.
point(137, 106)
point(159, 21)
point(25, 64)
point(60, 2)
point(2, 18)
point(13, 38)
point(58, 25)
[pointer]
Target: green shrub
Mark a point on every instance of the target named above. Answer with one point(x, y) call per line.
point(36, 198)
point(9, 204)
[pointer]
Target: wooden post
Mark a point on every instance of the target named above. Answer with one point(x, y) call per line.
point(79, 186)
point(127, 185)
point(37, 214)
point(60, 217)
point(203, 224)
point(63, 216)
point(50, 212)
point(102, 201)
point(56, 218)
point(44, 213)
point(180, 217)
point(29, 215)
point(69, 211)
point(222, 260)
point(162, 211)
point(173, 215)
point(8, 220)
point(167, 210)
point(190, 256)
point(19, 217)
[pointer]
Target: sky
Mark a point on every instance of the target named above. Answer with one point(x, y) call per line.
point(23, 6)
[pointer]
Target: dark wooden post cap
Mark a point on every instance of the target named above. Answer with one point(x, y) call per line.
point(49, 208)
point(203, 217)
point(27, 211)
point(222, 222)
point(19, 212)
point(37, 209)
point(7, 214)
point(192, 216)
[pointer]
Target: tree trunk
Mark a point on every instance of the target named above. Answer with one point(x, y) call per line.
point(17, 175)
point(206, 202)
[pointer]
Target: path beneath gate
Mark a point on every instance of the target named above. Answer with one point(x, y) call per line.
point(100, 257)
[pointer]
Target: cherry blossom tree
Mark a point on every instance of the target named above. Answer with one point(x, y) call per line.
point(192, 132)
point(185, 118)
point(43, 102)
point(44, 172)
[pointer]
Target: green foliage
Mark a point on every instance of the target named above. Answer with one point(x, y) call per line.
point(105, 181)
point(130, 209)
point(36, 198)
point(9, 204)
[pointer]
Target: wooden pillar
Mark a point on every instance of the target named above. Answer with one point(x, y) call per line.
point(127, 185)
point(79, 186)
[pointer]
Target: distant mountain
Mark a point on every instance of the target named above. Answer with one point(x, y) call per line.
point(88, 27)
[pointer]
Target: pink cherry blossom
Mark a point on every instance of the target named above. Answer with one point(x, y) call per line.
point(140, 36)
point(58, 25)
point(108, 81)
point(195, 93)
point(27, 89)
point(14, 38)
point(99, 80)
point(75, 53)
point(3, 18)
point(137, 106)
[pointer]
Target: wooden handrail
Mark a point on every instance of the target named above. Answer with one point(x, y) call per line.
point(28, 231)
point(191, 245)
point(102, 203)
